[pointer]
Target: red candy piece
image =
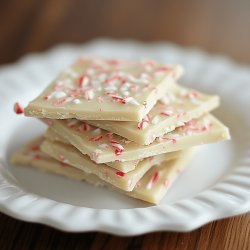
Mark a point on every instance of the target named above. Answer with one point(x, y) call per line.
point(155, 177)
point(18, 108)
point(83, 80)
point(118, 151)
point(117, 147)
point(120, 173)
point(144, 122)
point(153, 180)
point(84, 127)
point(98, 138)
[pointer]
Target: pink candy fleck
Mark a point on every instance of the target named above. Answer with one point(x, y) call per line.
point(166, 183)
point(193, 95)
point(61, 158)
point(109, 135)
point(153, 180)
point(97, 138)
point(84, 127)
point(163, 68)
point(166, 113)
point(138, 184)
point(62, 101)
point(118, 98)
point(173, 140)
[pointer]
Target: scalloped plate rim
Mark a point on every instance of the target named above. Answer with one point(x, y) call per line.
point(118, 230)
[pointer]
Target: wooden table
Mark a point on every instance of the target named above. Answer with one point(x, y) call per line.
point(216, 26)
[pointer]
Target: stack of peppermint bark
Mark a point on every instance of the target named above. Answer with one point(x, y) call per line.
point(126, 125)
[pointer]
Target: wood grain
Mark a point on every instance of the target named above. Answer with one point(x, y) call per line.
point(226, 234)
point(216, 26)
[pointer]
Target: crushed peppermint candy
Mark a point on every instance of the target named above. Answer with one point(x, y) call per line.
point(154, 179)
point(18, 108)
point(143, 123)
point(163, 68)
point(117, 147)
point(120, 173)
point(72, 123)
point(193, 95)
point(84, 127)
point(83, 81)
point(167, 113)
point(173, 140)
point(117, 98)
point(97, 138)
point(195, 126)
point(62, 101)
point(166, 183)
point(90, 78)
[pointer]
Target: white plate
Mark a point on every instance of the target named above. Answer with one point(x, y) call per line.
point(216, 185)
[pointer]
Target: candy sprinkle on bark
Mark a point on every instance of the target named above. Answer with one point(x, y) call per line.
point(18, 109)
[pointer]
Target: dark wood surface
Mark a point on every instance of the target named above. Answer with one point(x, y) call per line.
point(221, 26)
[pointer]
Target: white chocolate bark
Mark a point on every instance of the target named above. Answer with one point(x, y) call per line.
point(124, 166)
point(99, 89)
point(158, 180)
point(173, 110)
point(125, 181)
point(151, 188)
point(107, 147)
point(31, 155)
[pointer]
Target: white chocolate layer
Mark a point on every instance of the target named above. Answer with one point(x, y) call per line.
point(124, 166)
point(178, 106)
point(151, 188)
point(106, 147)
point(125, 181)
point(99, 89)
